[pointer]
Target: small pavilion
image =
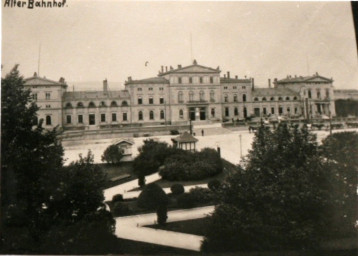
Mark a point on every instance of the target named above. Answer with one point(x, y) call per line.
point(185, 141)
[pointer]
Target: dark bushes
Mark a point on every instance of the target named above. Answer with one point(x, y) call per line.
point(177, 189)
point(117, 198)
point(151, 197)
point(197, 196)
point(214, 185)
point(121, 209)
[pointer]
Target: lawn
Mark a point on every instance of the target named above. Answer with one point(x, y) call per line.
point(194, 227)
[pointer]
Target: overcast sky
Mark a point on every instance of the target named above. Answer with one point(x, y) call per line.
point(88, 41)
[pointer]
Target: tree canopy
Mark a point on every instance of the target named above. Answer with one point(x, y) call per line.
point(112, 155)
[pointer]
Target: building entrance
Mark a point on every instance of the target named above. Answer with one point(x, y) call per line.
point(197, 113)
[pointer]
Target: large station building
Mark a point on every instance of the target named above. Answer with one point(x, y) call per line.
point(177, 95)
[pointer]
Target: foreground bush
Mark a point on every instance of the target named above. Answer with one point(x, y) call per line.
point(117, 198)
point(177, 189)
point(152, 196)
point(112, 155)
point(214, 185)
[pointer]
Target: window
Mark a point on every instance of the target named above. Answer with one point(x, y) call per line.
point(272, 110)
point(151, 101)
point(92, 119)
point(80, 105)
point(264, 111)
point(318, 93)
point(225, 87)
point(227, 111)
point(48, 106)
point(161, 88)
point(287, 98)
point(244, 87)
point(263, 99)
point(114, 104)
point(124, 116)
point(235, 98)
point(327, 93)
point(34, 96)
point(236, 111)
point(181, 113)
point(256, 99)
point(140, 101)
point(140, 115)
point(151, 115)
point(80, 119)
point(162, 114)
point(114, 117)
point(295, 98)
point(191, 96)
point(202, 96)
point(213, 112)
point(48, 120)
point(190, 80)
point(280, 110)
point(103, 117)
point(91, 105)
point(309, 94)
point(212, 96)
point(295, 110)
point(211, 80)
point(124, 103)
point(272, 98)
point(279, 98)
point(150, 89)
point(180, 97)
point(48, 95)
point(139, 89)
point(201, 80)
point(68, 105)
point(288, 110)
point(226, 98)
point(234, 87)
point(244, 97)
point(68, 119)
point(179, 80)
point(161, 100)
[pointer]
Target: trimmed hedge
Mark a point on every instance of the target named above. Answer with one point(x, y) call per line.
point(195, 197)
point(117, 198)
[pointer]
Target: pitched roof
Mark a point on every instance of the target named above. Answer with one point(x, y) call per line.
point(303, 79)
point(36, 80)
point(152, 80)
point(127, 140)
point(195, 68)
point(185, 137)
point(225, 80)
point(265, 92)
point(84, 95)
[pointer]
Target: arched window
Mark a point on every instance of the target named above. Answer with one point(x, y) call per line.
point(151, 115)
point(102, 104)
point(68, 105)
point(201, 95)
point(91, 105)
point(264, 99)
point(80, 105)
point(279, 98)
point(295, 98)
point(272, 98)
point(181, 113)
point(244, 97)
point(235, 98)
point(236, 111)
point(256, 99)
point(114, 104)
point(309, 94)
point(48, 120)
point(191, 96)
point(180, 97)
point(287, 98)
point(162, 114)
point(124, 103)
point(212, 96)
point(226, 98)
point(140, 115)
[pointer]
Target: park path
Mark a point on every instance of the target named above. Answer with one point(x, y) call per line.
point(131, 227)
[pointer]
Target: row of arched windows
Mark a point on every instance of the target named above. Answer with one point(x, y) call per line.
point(273, 98)
point(151, 115)
point(93, 105)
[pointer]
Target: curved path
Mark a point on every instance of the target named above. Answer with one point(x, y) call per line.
point(131, 227)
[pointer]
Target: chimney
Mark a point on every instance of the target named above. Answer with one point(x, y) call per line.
point(269, 83)
point(129, 78)
point(105, 85)
point(62, 80)
point(224, 76)
point(171, 68)
point(253, 83)
point(166, 68)
point(236, 77)
point(179, 66)
point(35, 74)
point(228, 74)
point(245, 77)
point(162, 69)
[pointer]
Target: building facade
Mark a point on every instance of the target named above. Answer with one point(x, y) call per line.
point(177, 95)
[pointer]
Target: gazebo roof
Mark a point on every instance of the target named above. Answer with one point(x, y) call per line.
point(185, 137)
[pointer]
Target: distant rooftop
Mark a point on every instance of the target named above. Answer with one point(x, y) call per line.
point(36, 80)
point(273, 92)
point(303, 79)
point(152, 80)
point(124, 94)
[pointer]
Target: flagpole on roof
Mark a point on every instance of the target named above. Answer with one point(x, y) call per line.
point(38, 64)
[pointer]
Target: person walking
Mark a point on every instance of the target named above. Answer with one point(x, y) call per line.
point(202, 132)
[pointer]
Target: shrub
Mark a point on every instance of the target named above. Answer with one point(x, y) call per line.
point(121, 209)
point(112, 155)
point(177, 189)
point(117, 198)
point(174, 132)
point(152, 197)
point(214, 185)
point(196, 196)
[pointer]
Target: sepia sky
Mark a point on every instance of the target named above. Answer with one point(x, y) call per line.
point(88, 41)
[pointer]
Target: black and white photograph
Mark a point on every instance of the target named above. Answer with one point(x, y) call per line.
point(179, 128)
